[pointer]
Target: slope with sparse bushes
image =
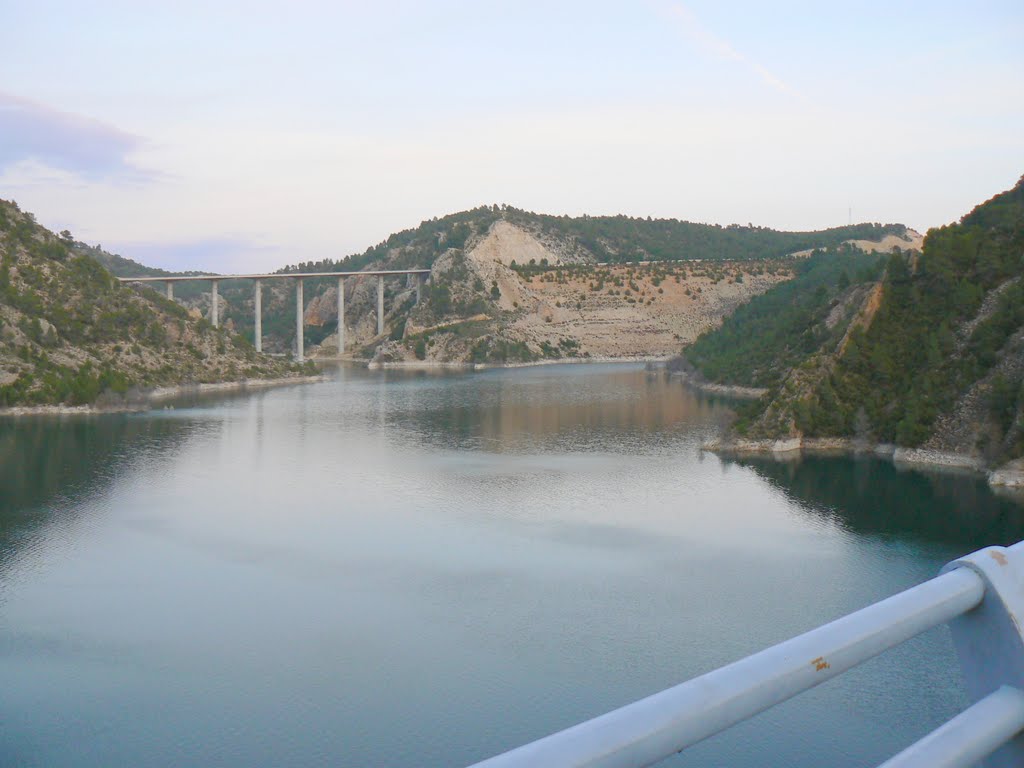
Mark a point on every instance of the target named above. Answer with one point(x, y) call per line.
point(71, 334)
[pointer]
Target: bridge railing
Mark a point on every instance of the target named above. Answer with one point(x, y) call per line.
point(980, 595)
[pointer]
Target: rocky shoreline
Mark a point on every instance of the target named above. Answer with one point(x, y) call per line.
point(1010, 475)
point(146, 400)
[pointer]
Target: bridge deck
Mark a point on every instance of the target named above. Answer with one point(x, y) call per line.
point(272, 276)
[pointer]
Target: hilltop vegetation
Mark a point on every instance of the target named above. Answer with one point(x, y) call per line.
point(71, 334)
point(595, 239)
point(622, 238)
point(934, 357)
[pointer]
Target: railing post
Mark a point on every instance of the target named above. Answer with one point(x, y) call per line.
point(989, 639)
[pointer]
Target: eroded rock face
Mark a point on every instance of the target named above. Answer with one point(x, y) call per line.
point(910, 241)
point(322, 309)
point(490, 259)
point(506, 243)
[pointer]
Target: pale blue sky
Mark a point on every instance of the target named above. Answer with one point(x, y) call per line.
point(244, 135)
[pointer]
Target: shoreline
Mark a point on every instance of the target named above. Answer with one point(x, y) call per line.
point(1009, 476)
point(427, 365)
point(167, 393)
point(147, 400)
point(735, 391)
point(726, 390)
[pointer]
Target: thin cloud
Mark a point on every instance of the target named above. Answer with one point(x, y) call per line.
point(35, 133)
point(704, 38)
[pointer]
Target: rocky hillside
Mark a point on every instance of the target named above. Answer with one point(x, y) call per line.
point(512, 286)
point(509, 297)
point(71, 334)
point(758, 345)
point(235, 302)
point(931, 357)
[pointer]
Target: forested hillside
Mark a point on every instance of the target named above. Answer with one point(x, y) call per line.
point(758, 344)
point(71, 334)
point(937, 360)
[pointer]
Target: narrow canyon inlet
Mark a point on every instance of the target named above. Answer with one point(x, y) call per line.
point(422, 569)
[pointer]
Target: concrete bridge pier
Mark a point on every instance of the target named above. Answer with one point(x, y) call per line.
point(214, 315)
point(258, 318)
point(341, 315)
point(299, 352)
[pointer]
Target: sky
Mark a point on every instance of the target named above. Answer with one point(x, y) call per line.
point(243, 136)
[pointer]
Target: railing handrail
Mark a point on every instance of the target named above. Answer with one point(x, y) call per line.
point(654, 728)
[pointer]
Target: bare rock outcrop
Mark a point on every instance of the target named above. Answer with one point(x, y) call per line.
point(322, 309)
point(489, 260)
point(506, 243)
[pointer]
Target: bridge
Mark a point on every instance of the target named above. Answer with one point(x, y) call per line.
point(981, 596)
point(298, 277)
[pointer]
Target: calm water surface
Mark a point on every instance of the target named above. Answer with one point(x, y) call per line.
point(416, 570)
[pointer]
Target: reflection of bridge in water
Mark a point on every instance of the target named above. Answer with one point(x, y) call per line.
point(298, 277)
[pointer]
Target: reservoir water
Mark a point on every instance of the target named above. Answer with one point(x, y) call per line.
point(403, 569)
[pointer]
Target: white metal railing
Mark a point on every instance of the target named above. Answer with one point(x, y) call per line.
point(979, 595)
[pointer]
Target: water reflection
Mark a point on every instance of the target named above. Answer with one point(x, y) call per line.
point(872, 496)
point(403, 569)
point(48, 466)
point(552, 408)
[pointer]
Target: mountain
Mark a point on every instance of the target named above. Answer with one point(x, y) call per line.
point(508, 285)
point(513, 286)
point(928, 357)
point(71, 334)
